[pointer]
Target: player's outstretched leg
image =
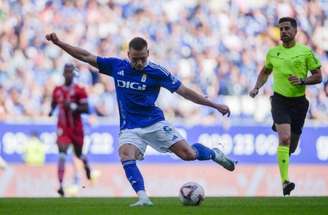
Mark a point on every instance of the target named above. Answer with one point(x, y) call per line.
point(205, 153)
point(76, 165)
point(84, 159)
point(86, 166)
point(60, 173)
point(92, 175)
point(136, 180)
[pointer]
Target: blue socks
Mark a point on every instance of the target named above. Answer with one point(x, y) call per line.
point(133, 174)
point(203, 152)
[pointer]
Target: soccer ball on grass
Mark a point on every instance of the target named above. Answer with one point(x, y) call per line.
point(191, 193)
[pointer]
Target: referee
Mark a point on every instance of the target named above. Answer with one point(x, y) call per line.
point(289, 62)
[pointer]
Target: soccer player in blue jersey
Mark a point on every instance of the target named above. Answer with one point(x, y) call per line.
point(137, 83)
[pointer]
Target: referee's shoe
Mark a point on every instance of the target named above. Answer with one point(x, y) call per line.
point(287, 187)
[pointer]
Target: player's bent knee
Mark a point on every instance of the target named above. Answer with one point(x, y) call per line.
point(125, 155)
point(128, 152)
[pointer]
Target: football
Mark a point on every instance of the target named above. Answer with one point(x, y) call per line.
point(191, 193)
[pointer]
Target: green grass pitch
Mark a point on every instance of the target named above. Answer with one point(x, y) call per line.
point(211, 205)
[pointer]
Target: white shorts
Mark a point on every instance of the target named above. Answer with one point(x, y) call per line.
point(160, 136)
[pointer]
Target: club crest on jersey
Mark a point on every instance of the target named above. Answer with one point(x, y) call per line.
point(131, 85)
point(121, 73)
point(144, 78)
point(173, 79)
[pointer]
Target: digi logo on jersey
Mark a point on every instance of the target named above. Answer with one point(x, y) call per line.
point(131, 85)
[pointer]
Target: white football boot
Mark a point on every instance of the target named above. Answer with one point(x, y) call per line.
point(142, 203)
point(223, 160)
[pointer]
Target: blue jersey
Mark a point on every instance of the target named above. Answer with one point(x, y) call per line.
point(137, 91)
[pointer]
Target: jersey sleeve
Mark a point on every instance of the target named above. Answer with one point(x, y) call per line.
point(107, 65)
point(312, 61)
point(169, 81)
point(268, 63)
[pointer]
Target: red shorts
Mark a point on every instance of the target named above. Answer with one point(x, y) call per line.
point(70, 136)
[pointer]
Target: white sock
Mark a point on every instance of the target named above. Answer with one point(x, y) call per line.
point(3, 163)
point(142, 194)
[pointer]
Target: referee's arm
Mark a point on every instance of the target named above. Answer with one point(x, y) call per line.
point(261, 80)
point(315, 78)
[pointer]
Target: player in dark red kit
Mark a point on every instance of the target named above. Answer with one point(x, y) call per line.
point(71, 100)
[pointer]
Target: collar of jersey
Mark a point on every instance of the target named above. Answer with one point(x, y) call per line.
point(69, 87)
point(147, 63)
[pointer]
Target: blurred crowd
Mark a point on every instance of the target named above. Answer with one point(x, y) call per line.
point(217, 47)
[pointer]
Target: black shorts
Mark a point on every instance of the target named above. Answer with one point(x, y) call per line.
point(289, 110)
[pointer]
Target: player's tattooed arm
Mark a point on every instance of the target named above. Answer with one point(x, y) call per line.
point(195, 97)
point(76, 52)
point(261, 80)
